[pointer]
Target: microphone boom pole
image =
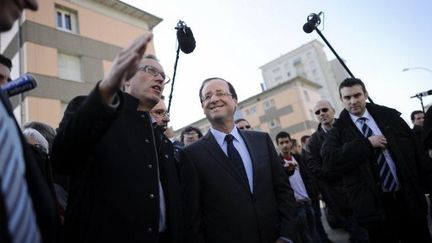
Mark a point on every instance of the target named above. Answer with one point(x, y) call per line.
point(313, 21)
point(186, 43)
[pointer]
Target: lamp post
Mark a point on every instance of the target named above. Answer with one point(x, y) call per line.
point(418, 68)
point(414, 68)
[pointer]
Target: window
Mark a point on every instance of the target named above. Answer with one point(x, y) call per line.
point(69, 67)
point(269, 104)
point(274, 123)
point(312, 114)
point(298, 65)
point(253, 110)
point(278, 78)
point(306, 94)
point(66, 20)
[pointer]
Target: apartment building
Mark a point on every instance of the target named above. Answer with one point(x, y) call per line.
point(68, 45)
point(308, 61)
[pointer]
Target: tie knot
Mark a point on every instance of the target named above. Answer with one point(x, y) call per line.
point(229, 138)
point(362, 120)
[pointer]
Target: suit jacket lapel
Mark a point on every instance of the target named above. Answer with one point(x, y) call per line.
point(217, 153)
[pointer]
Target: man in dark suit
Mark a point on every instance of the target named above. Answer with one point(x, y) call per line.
point(235, 187)
point(383, 172)
point(124, 185)
point(330, 184)
point(27, 210)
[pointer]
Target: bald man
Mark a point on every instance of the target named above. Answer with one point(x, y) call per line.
point(330, 184)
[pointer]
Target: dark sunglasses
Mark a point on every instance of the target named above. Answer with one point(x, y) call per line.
point(324, 110)
point(245, 127)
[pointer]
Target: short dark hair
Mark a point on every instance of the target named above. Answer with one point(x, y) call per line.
point(6, 62)
point(240, 120)
point(190, 129)
point(282, 134)
point(415, 113)
point(230, 88)
point(304, 138)
point(349, 82)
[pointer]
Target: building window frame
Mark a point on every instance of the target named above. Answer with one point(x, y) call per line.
point(66, 20)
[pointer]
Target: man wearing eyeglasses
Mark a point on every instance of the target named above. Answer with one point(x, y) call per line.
point(160, 115)
point(125, 182)
point(242, 124)
point(235, 186)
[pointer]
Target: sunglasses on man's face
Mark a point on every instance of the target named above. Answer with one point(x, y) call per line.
point(245, 127)
point(324, 110)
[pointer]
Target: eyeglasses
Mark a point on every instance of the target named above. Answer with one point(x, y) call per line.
point(244, 127)
point(154, 72)
point(324, 110)
point(217, 94)
point(160, 113)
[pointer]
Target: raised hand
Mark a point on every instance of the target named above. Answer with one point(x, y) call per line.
point(124, 67)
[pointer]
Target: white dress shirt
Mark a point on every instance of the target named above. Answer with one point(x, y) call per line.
point(376, 131)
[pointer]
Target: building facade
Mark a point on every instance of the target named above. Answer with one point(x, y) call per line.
point(68, 46)
point(287, 106)
point(308, 61)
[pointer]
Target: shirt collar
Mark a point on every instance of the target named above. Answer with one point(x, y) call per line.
point(220, 136)
point(366, 115)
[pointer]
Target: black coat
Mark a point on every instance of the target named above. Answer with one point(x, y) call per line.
point(43, 202)
point(222, 209)
point(314, 160)
point(348, 152)
point(112, 157)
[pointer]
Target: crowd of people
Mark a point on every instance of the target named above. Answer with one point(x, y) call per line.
point(113, 172)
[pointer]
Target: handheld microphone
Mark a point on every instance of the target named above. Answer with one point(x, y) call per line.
point(313, 20)
point(185, 37)
point(422, 94)
point(22, 84)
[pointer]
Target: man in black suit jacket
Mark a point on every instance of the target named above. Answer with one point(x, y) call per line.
point(236, 190)
point(124, 185)
point(38, 191)
point(383, 172)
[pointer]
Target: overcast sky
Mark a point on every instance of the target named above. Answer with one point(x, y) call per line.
point(235, 37)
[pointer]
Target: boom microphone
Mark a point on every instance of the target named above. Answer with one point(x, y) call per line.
point(185, 37)
point(422, 94)
point(22, 84)
point(313, 20)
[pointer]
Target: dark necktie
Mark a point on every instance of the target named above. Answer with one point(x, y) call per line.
point(235, 158)
point(21, 218)
point(388, 181)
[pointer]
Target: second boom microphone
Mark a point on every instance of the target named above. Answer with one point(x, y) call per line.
point(422, 94)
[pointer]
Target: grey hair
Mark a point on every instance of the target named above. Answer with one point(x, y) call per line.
point(37, 136)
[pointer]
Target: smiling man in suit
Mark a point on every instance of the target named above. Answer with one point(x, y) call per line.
point(235, 186)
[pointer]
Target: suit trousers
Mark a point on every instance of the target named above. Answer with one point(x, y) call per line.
point(398, 225)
